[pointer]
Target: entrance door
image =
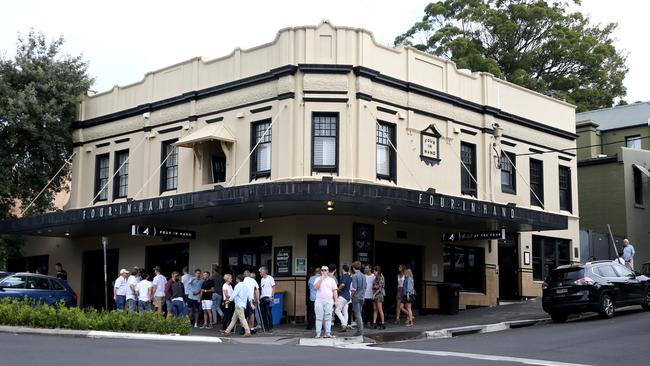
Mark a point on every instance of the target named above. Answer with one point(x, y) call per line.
point(508, 268)
point(389, 256)
point(239, 255)
point(169, 257)
point(322, 250)
point(93, 277)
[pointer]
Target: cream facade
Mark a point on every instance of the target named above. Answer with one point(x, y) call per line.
point(332, 146)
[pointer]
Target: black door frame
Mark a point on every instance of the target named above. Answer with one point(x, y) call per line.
point(510, 248)
point(112, 273)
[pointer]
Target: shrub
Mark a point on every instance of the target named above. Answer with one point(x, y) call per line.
point(39, 315)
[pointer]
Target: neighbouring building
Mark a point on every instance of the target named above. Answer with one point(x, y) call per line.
point(320, 147)
point(613, 176)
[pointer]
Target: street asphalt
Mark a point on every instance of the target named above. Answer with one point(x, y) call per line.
point(585, 341)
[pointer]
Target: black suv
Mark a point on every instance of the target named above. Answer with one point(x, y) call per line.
point(599, 286)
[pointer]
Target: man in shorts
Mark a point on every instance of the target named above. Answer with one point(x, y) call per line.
point(207, 289)
point(158, 290)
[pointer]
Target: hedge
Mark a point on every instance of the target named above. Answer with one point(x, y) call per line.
point(26, 313)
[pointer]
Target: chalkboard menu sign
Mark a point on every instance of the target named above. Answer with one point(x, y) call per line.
point(282, 261)
point(363, 248)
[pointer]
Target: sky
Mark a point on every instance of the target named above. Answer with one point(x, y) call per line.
point(123, 40)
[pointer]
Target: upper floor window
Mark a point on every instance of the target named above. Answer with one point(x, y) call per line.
point(508, 172)
point(536, 182)
point(101, 177)
point(468, 169)
point(565, 188)
point(633, 142)
point(386, 163)
point(325, 142)
point(121, 183)
point(261, 157)
point(638, 186)
point(169, 170)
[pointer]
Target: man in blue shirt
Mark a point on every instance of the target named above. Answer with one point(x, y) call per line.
point(194, 297)
point(311, 316)
point(344, 297)
point(628, 254)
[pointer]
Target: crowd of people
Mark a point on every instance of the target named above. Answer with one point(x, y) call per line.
point(365, 292)
point(206, 298)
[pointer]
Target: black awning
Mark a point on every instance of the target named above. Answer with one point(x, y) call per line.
point(287, 199)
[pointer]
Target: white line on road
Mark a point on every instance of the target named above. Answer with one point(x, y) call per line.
point(475, 356)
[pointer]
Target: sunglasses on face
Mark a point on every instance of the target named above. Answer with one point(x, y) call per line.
point(323, 270)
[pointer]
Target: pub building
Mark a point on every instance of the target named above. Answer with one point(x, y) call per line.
point(319, 147)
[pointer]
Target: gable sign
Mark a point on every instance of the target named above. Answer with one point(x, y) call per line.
point(430, 145)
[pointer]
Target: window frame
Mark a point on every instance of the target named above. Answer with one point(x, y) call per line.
point(98, 184)
point(540, 194)
point(511, 188)
point(569, 199)
point(164, 167)
point(541, 241)
point(472, 169)
point(635, 138)
point(451, 274)
point(325, 168)
point(392, 155)
point(637, 183)
point(254, 173)
point(116, 179)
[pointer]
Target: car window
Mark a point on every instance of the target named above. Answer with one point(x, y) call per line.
point(571, 273)
point(623, 271)
point(57, 286)
point(38, 283)
point(14, 282)
point(605, 271)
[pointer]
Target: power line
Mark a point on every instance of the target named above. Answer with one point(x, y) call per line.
point(578, 148)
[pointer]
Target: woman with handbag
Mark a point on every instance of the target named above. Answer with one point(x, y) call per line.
point(409, 296)
point(378, 294)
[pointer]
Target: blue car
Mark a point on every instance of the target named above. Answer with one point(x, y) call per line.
point(36, 287)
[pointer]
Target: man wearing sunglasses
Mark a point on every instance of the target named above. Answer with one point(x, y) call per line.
point(326, 297)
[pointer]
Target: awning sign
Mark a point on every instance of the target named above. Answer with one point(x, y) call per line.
point(137, 230)
point(481, 235)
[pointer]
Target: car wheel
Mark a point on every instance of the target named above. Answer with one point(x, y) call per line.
point(646, 300)
point(559, 317)
point(606, 306)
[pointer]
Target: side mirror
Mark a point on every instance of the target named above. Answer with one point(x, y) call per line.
point(631, 276)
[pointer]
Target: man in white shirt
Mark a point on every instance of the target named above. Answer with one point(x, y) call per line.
point(120, 289)
point(131, 298)
point(367, 297)
point(240, 297)
point(185, 279)
point(254, 296)
point(145, 293)
point(159, 291)
point(266, 298)
point(326, 297)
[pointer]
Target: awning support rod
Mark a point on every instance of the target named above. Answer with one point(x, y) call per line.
point(66, 162)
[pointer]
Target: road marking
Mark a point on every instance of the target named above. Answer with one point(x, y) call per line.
point(475, 356)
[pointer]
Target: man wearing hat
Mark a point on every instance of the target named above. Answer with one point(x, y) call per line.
point(120, 288)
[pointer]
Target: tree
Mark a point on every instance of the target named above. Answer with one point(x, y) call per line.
point(39, 92)
point(539, 45)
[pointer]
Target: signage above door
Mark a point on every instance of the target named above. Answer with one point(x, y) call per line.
point(137, 230)
point(480, 235)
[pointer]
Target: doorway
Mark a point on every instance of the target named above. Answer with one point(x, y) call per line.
point(508, 268)
point(322, 250)
point(389, 256)
point(93, 277)
point(239, 255)
point(169, 257)
point(29, 264)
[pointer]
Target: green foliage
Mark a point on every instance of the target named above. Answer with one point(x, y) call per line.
point(540, 45)
point(24, 313)
point(39, 92)
point(9, 248)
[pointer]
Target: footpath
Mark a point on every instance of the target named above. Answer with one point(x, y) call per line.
point(478, 320)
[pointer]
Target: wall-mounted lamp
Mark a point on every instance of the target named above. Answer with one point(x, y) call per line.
point(330, 205)
point(386, 217)
point(260, 208)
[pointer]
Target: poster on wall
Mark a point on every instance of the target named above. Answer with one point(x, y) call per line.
point(282, 261)
point(363, 248)
point(301, 266)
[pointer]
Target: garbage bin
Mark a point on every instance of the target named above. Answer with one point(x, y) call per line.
point(448, 296)
point(278, 307)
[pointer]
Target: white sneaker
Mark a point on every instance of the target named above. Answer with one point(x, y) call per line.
point(196, 325)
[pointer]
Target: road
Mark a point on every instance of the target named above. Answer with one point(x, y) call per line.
point(583, 342)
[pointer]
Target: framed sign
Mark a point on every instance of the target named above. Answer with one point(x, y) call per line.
point(527, 258)
point(363, 248)
point(430, 145)
point(282, 261)
point(301, 266)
